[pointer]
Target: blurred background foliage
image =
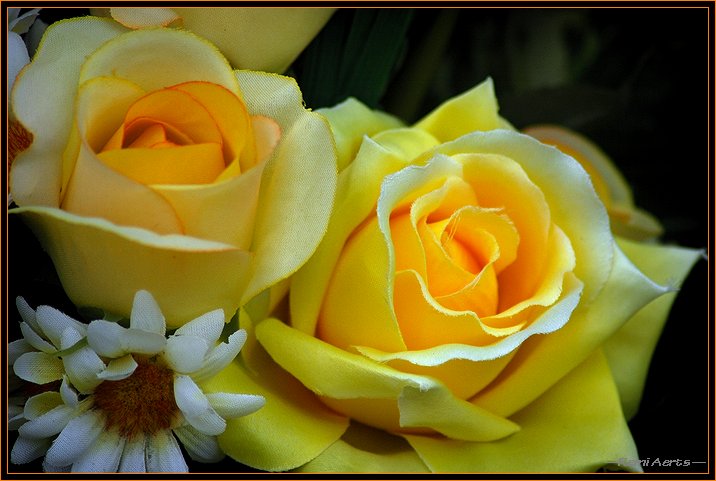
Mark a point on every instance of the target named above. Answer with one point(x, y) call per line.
point(634, 80)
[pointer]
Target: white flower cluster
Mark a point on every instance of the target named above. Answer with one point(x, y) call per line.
point(116, 398)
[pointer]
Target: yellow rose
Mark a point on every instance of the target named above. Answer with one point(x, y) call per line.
point(469, 309)
point(156, 166)
point(251, 38)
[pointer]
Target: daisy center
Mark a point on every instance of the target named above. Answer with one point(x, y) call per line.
point(143, 403)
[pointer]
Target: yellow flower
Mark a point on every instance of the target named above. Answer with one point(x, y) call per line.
point(251, 38)
point(156, 166)
point(469, 309)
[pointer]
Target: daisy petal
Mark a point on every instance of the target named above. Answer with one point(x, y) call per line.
point(133, 456)
point(102, 456)
point(26, 450)
point(79, 434)
point(27, 313)
point(104, 337)
point(164, 455)
point(118, 369)
point(41, 403)
point(49, 424)
point(82, 365)
point(221, 356)
point(69, 395)
point(229, 405)
point(53, 323)
point(195, 407)
point(185, 354)
point(15, 417)
point(146, 314)
point(16, 349)
point(49, 468)
point(35, 340)
point(207, 326)
point(200, 447)
point(112, 340)
point(38, 367)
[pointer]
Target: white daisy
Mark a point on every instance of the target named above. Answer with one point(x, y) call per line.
point(127, 414)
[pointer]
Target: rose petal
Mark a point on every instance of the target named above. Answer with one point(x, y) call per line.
point(580, 418)
point(208, 275)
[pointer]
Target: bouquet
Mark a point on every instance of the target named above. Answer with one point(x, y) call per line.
point(357, 241)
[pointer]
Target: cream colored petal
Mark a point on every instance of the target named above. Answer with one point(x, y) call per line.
point(230, 406)
point(27, 313)
point(176, 56)
point(26, 450)
point(74, 440)
point(49, 423)
point(201, 447)
point(257, 38)
point(17, 57)
point(53, 323)
point(68, 393)
point(164, 455)
point(220, 357)
point(82, 365)
point(206, 275)
point(195, 407)
point(102, 456)
point(42, 101)
point(39, 368)
point(207, 326)
point(630, 349)
point(146, 314)
point(34, 341)
point(577, 426)
point(185, 354)
point(15, 349)
point(41, 403)
point(118, 369)
point(144, 17)
point(133, 457)
point(298, 184)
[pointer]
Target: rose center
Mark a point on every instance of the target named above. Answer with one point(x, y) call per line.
point(143, 403)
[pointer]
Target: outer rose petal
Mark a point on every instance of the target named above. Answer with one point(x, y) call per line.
point(266, 39)
point(298, 184)
point(629, 350)
point(50, 81)
point(576, 426)
point(292, 428)
point(366, 450)
point(190, 276)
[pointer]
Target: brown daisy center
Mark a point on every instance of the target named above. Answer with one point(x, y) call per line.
point(143, 403)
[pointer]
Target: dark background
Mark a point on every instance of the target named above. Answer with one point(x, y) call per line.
point(634, 80)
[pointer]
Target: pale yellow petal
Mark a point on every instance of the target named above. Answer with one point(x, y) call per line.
point(175, 56)
point(630, 349)
point(366, 450)
point(339, 375)
point(187, 276)
point(577, 426)
point(266, 39)
point(350, 121)
point(298, 184)
point(144, 17)
point(291, 429)
point(475, 109)
point(43, 103)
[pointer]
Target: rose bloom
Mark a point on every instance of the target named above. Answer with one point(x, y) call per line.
point(469, 310)
point(156, 166)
